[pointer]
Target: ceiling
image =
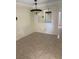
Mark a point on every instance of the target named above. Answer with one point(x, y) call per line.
point(43, 4)
point(30, 2)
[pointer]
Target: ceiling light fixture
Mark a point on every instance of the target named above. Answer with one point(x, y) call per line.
point(36, 11)
point(48, 12)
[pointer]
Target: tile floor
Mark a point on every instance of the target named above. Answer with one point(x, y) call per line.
point(39, 46)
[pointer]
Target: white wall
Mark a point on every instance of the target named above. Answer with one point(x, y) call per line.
point(24, 24)
point(50, 28)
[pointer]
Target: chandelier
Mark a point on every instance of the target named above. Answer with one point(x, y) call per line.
point(36, 10)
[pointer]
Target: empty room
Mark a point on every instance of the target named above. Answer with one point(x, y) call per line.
point(38, 29)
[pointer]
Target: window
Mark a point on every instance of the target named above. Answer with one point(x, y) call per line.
point(48, 15)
